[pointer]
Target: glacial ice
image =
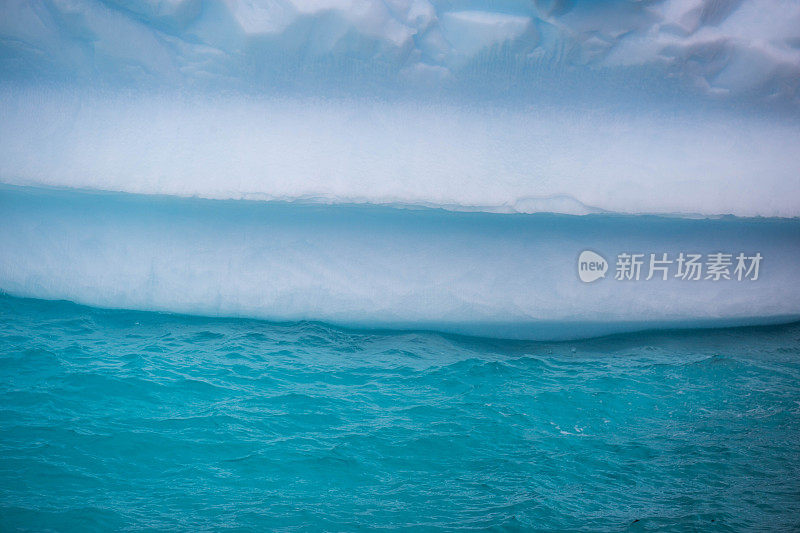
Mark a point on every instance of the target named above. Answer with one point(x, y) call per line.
point(674, 106)
point(721, 47)
point(371, 266)
point(410, 153)
point(243, 147)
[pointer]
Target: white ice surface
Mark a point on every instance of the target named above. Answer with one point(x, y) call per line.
point(658, 106)
point(509, 159)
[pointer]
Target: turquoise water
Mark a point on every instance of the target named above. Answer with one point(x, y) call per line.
point(118, 420)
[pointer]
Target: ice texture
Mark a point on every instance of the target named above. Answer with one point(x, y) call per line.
point(371, 266)
point(500, 159)
point(390, 163)
point(720, 47)
point(674, 107)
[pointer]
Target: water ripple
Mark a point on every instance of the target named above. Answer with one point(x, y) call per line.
point(122, 420)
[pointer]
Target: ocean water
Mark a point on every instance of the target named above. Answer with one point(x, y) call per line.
point(126, 420)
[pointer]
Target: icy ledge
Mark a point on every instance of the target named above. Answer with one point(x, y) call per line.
point(368, 266)
point(491, 158)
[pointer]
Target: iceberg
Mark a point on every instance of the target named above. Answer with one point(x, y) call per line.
point(673, 106)
point(403, 164)
point(670, 107)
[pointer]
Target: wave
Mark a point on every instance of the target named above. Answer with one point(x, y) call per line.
point(485, 274)
point(273, 416)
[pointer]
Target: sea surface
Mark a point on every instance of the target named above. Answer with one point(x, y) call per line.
point(120, 420)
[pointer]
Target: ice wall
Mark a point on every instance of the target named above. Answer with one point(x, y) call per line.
point(673, 106)
point(475, 273)
point(494, 158)
point(715, 47)
point(494, 111)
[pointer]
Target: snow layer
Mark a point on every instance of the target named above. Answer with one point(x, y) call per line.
point(506, 159)
point(476, 273)
point(716, 47)
point(553, 105)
